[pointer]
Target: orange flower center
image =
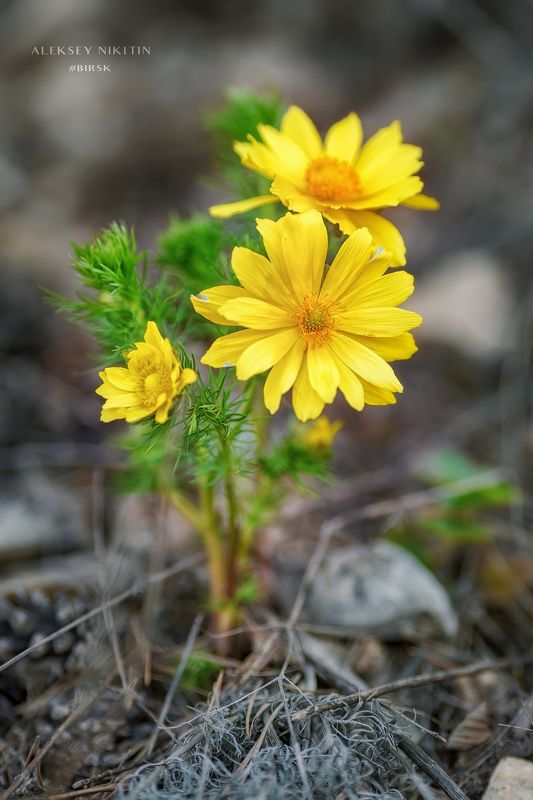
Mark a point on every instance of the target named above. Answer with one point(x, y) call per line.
point(314, 320)
point(330, 178)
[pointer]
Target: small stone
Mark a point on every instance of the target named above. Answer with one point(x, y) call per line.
point(59, 710)
point(379, 589)
point(21, 621)
point(456, 301)
point(39, 517)
point(40, 651)
point(63, 644)
point(511, 780)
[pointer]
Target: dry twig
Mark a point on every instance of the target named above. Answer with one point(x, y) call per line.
point(411, 683)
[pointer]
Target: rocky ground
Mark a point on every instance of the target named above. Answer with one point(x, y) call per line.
point(99, 594)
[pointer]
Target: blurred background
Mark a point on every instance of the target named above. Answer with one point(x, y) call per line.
point(78, 150)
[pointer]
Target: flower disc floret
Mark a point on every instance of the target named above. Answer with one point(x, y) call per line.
point(330, 178)
point(313, 328)
point(314, 320)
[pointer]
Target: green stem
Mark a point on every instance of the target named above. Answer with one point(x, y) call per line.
point(186, 508)
point(234, 533)
point(204, 520)
point(213, 544)
point(260, 418)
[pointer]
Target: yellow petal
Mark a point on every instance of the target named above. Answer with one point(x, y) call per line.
point(387, 290)
point(344, 138)
point(292, 195)
point(422, 202)
point(376, 267)
point(323, 373)
point(226, 350)
point(208, 302)
point(138, 413)
point(119, 377)
point(152, 335)
point(282, 376)
point(258, 276)
point(382, 140)
point(122, 400)
point(297, 126)
point(144, 350)
point(364, 362)
point(256, 314)
point(271, 233)
point(306, 402)
point(390, 196)
point(240, 206)
point(186, 377)
point(394, 348)
point(264, 353)
point(374, 396)
point(347, 264)
point(304, 244)
point(108, 390)
point(383, 232)
point(390, 166)
point(290, 159)
point(349, 384)
point(112, 414)
point(257, 156)
point(378, 321)
point(161, 415)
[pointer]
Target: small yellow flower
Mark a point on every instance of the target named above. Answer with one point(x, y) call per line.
point(344, 179)
point(148, 385)
point(317, 330)
point(319, 435)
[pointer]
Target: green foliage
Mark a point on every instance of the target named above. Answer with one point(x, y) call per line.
point(292, 459)
point(117, 300)
point(450, 466)
point(248, 591)
point(200, 671)
point(239, 117)
point(286, 466)
point(194, 248)
point(151, 451)
point(218, 429)
point(234, 122)
point(458, 529)
point(461, 517)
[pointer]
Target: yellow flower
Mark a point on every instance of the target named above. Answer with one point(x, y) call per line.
point(344, 179)
point(148, 385)
point(320, 434)
point(317, 330)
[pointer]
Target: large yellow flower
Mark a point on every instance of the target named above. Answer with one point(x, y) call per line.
point(345, 180)
point(150, 383)
point(317, 330)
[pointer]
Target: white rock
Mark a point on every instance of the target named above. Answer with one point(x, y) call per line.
point(39, 518)
point(379, 589)
point(511, 780)
point(466, 302)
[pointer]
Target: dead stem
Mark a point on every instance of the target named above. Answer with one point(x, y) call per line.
point(414, 682)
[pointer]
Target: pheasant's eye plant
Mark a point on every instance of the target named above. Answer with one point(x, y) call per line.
point(200, 344)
